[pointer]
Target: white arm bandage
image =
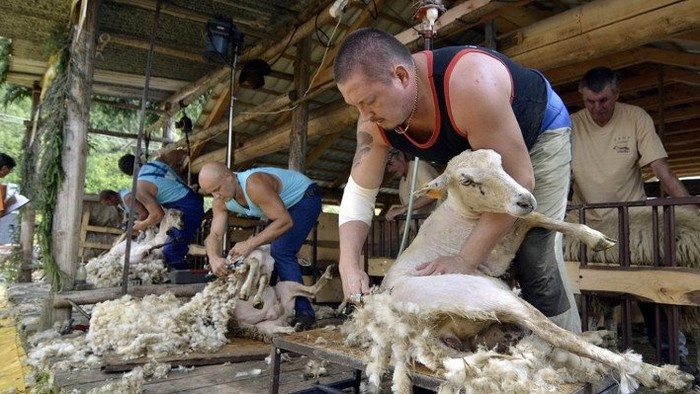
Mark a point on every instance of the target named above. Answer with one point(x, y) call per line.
point(357, 203)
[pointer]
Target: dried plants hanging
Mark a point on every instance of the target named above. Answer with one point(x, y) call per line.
point(50, 174)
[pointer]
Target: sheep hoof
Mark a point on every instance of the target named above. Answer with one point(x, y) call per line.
point(243, 297)
point(258, 304)
point(605, 243)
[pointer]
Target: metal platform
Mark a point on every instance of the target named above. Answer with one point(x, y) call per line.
point(328, 345)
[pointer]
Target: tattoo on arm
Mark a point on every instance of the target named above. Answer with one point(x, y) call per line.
point(364, 145)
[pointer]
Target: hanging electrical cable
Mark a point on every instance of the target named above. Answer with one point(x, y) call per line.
point(427, 12)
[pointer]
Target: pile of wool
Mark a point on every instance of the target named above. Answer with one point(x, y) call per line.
point(146, 263)
point(159, 326)
point(132, 382)
point(60, 353)
point(399, 335)
point(107, 270)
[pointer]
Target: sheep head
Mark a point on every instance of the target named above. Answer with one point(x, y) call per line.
point(478, 182)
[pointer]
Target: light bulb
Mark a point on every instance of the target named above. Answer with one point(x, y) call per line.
point(432, 15)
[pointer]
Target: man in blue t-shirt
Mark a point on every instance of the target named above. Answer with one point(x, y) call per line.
point(159, 186)
point(289, 200)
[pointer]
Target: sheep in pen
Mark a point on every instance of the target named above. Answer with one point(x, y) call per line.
point(646, 249)
point(426, 312)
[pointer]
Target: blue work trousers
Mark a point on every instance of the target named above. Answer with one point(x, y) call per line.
point(284, 249)
point(192, 209)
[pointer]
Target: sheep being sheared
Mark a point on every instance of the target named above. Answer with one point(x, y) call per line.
point(686, 235)
point(434, 310)
point(145, 257)
point(158, 326)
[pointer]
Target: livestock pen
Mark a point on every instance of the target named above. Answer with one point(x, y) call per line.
point(656, 260)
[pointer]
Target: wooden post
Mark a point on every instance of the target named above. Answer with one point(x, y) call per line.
point(28, 214)
point(300, 115)
point(69, 206)
point(83, 231)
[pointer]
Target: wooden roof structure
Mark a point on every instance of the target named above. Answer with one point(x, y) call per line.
point(654, 45)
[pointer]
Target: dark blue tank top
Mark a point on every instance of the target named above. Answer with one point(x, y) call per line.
point(529, 102)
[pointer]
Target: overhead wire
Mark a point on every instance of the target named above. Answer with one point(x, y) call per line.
point(318, 71)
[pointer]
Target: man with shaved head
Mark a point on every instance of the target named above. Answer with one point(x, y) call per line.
point(289, 200)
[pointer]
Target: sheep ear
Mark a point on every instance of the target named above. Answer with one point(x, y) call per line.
point(433, 189)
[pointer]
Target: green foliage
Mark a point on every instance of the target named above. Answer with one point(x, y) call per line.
point(58, 38)
point(12, 131)
point(50, 171)
point(5, 49)
point(102, 172)
point(12, 93)
point(44, 382)
point(9, 269)
point(15, 94)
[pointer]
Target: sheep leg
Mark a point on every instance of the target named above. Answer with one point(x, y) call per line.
point(593, 238)
point(258, 301)
point(287, 291)
point(253, 270)
point(310, 291)
point(484, 298)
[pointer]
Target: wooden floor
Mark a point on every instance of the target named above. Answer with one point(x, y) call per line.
point(257, 376)
point(224, 377)
point(246, 377)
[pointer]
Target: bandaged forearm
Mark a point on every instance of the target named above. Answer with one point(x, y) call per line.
point(357, 203)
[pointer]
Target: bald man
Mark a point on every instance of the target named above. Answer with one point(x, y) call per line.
point(289, 200)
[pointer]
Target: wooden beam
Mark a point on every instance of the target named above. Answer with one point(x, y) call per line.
point(576, 22)
point(262, 50)
point(266, 107)
point(457, 19)
point(321, 147)
point(134, 80)
point(36, 68)
point(671, 58)
point(191, 15)
point(300, 114)
point(673, 96)
point(600, 28)
point(603, 7)
point(647, 80)
point(278, 139)
point(122, 134)
point(86, 297)
point(573, 72)
point(123, 105)
point(678, 115)
point(683, 127)
point(674, 286)
point(325, 76)
point(158, 48)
